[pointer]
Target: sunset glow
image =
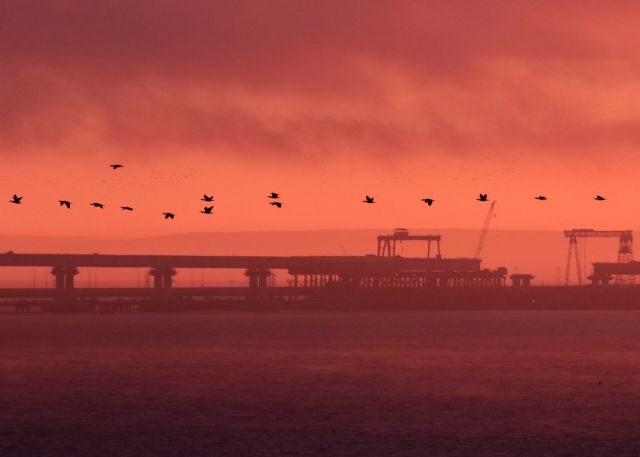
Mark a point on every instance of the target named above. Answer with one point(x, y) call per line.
point(323, 102)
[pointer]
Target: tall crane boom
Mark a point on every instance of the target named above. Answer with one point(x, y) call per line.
point(485, 229)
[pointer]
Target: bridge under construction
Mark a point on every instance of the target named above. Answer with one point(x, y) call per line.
point(385, 281)
point(310, 277)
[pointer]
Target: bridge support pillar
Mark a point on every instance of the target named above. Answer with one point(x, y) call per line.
point(258, 277)
point(162, 282)
point(600, 280)
point(167, 278)
point(64, 277)
point(162, 277)
point(65, 302)
point(347, 280)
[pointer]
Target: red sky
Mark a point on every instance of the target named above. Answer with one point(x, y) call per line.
point(323, 102)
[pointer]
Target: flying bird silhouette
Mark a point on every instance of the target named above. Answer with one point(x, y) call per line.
point(482, 198)
point(540, 197)
point(278, 204)
point(368, 199)
point(428, 201)
point(66, 203)
point(207, 210)
point(126, 208)
point(15, 199)
point(115, 166)
point(207, 198)
point(599, 198)
point(169, 215)
point(97, 205)
point(273, 195)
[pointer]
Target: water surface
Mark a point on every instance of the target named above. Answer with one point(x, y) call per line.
point(334, 384)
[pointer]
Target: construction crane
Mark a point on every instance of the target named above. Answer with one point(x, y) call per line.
point(625, 248)
point(485, 229)
point(387, 243)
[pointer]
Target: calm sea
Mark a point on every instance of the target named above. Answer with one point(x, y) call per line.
point(321, 384)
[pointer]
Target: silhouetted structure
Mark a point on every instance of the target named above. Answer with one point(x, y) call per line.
point(313, 278)
point(485, 229)
point(387, 243)
point(605, 272)
point(382, 281)
point(625, 249)
point(521, 280)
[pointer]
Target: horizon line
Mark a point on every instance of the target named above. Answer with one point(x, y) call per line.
point(225, 232)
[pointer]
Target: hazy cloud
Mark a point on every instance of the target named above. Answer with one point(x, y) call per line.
point(305, 78)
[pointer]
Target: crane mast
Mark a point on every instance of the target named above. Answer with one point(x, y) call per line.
point(485, 229)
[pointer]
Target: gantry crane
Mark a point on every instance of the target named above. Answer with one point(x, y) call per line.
point(625, 248)
point(485, 229)
point(387, 243)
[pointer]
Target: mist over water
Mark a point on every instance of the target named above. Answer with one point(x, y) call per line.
point(321, 383)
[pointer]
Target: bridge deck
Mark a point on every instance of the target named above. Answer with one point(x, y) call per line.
point(300, 264)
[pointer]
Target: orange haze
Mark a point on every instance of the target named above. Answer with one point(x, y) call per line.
point(323, 102)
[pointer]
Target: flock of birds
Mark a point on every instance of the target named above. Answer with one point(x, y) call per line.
point(274, 197)
point(481, 198)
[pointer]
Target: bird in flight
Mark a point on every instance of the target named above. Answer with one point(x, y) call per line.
point(97, 205)
point(482, 198)
point(115, 166)
point(66, 203)
point(428, 201)
point(207, 198)
point(599, 198)
point(273, 195)
point(277, 204)
point(540, 197)
point(169, 215)
point(126, 208)
point(15, 199)
point(207, 210)
point(368, 199)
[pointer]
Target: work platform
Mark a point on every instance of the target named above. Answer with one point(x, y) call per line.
point(605, 272)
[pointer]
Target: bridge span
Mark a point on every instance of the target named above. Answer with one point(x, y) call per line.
point(334, 263)
point(307, 274)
